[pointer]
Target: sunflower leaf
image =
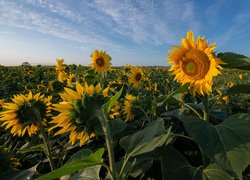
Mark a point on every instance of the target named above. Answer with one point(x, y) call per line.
point(91, 160)
point(227, 144)
point(175, 94)
point(233, 60)
point(146, 140)
point(240, 88)
point(40, 147)
point(175, 166)
point(16, 175)
point(108, 105)
point(79, 155)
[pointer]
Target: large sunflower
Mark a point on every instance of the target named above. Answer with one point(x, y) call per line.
point(19, 115)
point(135, 76)
point(128, 105)
point(76, 112)
point(194, 63)
point(100, 61)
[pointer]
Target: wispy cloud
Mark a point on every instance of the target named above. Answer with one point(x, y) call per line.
point(147, 21)
point(7, 32)
point(128, 25)
point(101, 22)
point(32, 18)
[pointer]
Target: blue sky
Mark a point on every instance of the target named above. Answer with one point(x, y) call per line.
point(136, 32)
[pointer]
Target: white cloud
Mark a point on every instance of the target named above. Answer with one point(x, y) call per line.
point(19, 15)
point(142, 22)
point(99, 22)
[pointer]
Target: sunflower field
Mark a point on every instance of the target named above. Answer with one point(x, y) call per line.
point(187, 121)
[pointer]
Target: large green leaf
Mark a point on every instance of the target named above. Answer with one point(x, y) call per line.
point(92, 160)
point(215, 172)
point(17, 175)
point(88, 173)
point(79, 155)
point(175, 166)
point(135, 166)
point(116, 126)
point(146, 140)
point(240, 88)
point(233, 60)
point(227, 144)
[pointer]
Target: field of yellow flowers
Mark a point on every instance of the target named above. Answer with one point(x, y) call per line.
point(187, 121)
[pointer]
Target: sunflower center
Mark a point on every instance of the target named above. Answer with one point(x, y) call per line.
point(26, 114)
point(100, 62)
point(190, 67)
point(138, 77)
point(196, 64)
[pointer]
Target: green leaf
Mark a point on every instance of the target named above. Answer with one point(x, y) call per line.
point(175, 166)
point(116, 126)
point(40, 147)
point(141, 166)
point(108, 105)
point(92, 160)
point(89, 173)
point(146, 140)
point(241, 88)
point(182, 89)
point(79, 155)
point(135, 166)
point(237, 61)
point(215, 172)
point(227, 144)
point(17, 175)
point(175, 94)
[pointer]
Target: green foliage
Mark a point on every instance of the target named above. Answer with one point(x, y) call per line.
point(17, 175)
point(176, 166)
point(146, 140)
point(227, 144)
point(153, 139)
point(91, 160)
point(241, 88)
point(233, 60)
point(108, 105)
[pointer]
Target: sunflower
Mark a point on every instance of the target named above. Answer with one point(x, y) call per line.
point(128, 104)
point(100, 61)
point(114, 112)
point(76, 112)
point(135, 76)
point(193, 62)
point(59, 65)
point(61, 74)
point(230, 84)
point(19, 115)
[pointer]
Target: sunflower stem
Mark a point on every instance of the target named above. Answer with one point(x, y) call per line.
point(206, 110)
point(109, 143)
point(102, 79)
point(124, 165)
point(45, 138)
